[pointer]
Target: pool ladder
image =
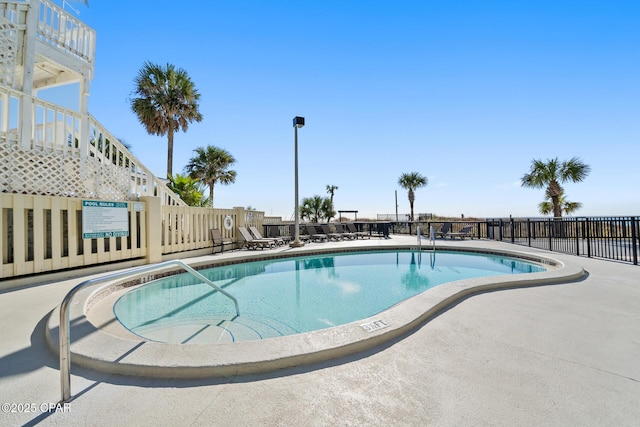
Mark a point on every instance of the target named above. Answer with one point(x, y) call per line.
point(64, 338)
point(432, 255)
point(432, 236)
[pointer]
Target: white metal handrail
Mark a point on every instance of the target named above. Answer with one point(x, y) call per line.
point(432, 236)
point(64, 335)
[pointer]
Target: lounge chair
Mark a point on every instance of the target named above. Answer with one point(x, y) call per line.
point(344, 233)
point(464, 232)
point(252, 243)
point(218, 241)
point(351, 227)
point(330, 234)
point(315, 235)
point(256, 235)
point(274, 231)
point(444, 230)
point(303, 237)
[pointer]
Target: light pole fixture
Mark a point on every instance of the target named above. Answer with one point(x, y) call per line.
point(298, 122)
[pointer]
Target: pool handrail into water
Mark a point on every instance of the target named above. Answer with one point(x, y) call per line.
point(65, 348)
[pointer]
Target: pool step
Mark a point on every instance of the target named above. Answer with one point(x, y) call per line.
point(214, 329)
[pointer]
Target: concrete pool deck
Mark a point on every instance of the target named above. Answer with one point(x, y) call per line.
point(564, 354)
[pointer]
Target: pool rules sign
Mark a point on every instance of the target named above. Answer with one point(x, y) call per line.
point(104, 219)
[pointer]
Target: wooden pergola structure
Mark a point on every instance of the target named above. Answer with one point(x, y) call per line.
point(353, 212)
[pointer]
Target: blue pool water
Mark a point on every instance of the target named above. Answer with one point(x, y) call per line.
point(295, 295)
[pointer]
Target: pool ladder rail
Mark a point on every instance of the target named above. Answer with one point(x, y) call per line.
point(65, 348)
point(432, 236)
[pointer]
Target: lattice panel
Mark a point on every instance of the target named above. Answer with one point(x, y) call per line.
point(110, 181)
point(53, 173)
point(9, 43)
point(5, 167)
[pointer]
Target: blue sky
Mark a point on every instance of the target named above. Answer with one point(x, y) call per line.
point(466, 93)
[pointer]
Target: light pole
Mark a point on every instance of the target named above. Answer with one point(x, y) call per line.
point(298, 122)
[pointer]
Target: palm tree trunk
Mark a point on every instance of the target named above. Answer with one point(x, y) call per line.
point(554, 190)
point(557, 213)
point(211, 194)
point(170, 151)
point(331, 199)
point(557, 208)
point(411, 200)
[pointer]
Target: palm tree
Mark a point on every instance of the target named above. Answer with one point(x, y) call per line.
point(327, 209)
point(124, 143)
point(166, 101)
point(410, 182)
point(551, 174)
point(316, 208)
point(546, 207)
point(331, 190)
point(188, 189)
point(210, 165)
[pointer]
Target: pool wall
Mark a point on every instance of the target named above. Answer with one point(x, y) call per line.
point(99, 342)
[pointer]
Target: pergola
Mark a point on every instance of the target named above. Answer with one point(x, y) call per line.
point(353, 212)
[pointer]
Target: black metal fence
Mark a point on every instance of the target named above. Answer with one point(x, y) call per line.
point(613, 238)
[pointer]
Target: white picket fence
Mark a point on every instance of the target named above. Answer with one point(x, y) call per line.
point(43, 234)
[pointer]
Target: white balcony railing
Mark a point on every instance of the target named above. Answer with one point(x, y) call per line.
point(58, 160)
point(56, 27)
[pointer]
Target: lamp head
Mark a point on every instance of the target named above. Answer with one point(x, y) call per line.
point(298, 122)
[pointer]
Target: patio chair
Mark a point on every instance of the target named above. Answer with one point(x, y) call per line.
point(274, 232)
point(315, 235)
point(330, 234)
point(344, 233)
point(252, 243)
point(464, 232)
point(444, 230)
point(218, 241)
point(351, 227)
point(256, 235)
point(303, 237)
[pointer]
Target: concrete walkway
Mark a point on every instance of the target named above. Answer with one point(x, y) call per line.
point(565, 354)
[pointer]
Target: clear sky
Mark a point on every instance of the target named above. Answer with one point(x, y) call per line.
point(466, 93)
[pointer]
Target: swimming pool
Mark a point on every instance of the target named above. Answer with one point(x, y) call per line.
point(288, 296)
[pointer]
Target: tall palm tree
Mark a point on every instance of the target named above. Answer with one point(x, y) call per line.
point(551, 174)
point(331, 189)
point(166, 101)
point(211, 165)
point(410, 182)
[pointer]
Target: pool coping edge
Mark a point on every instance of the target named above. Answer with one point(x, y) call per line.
point(95, 349)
